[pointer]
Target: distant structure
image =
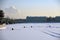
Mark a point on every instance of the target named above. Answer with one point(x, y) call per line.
point(35, 19)
point(40, 19)
point(57, 19)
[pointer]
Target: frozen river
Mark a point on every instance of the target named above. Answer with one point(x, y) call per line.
point(31, 31)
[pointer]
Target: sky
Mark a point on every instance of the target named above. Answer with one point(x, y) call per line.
point(23, 8)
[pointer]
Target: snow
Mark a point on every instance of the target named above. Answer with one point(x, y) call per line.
point(38, 31)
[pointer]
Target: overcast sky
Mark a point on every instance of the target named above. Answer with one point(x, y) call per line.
point(25, 8)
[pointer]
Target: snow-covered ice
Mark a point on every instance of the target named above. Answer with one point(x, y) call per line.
point(31, 31)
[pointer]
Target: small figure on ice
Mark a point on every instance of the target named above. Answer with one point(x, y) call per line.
point(24, 27)
point(31, 26)
point(49, 26)
point(12, 28)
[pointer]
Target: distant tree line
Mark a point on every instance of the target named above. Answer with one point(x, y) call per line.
point(28, 19)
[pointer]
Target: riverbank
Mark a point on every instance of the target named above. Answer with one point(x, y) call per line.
point(2, 26)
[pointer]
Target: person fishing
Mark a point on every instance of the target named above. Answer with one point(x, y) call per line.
point(31, 26)
point(12, 28)
point(49, 26)
point(24, 26)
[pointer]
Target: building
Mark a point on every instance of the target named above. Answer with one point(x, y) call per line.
point(36, 19)
point(57, 19)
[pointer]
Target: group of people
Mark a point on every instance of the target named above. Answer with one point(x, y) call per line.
point(31, 27)
point(24, 27)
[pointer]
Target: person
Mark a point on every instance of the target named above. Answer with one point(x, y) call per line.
point(12, 28)
point(31, 26)
point(50, 26)
point(24, 26)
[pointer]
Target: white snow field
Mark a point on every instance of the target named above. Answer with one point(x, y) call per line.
point(31, 31)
